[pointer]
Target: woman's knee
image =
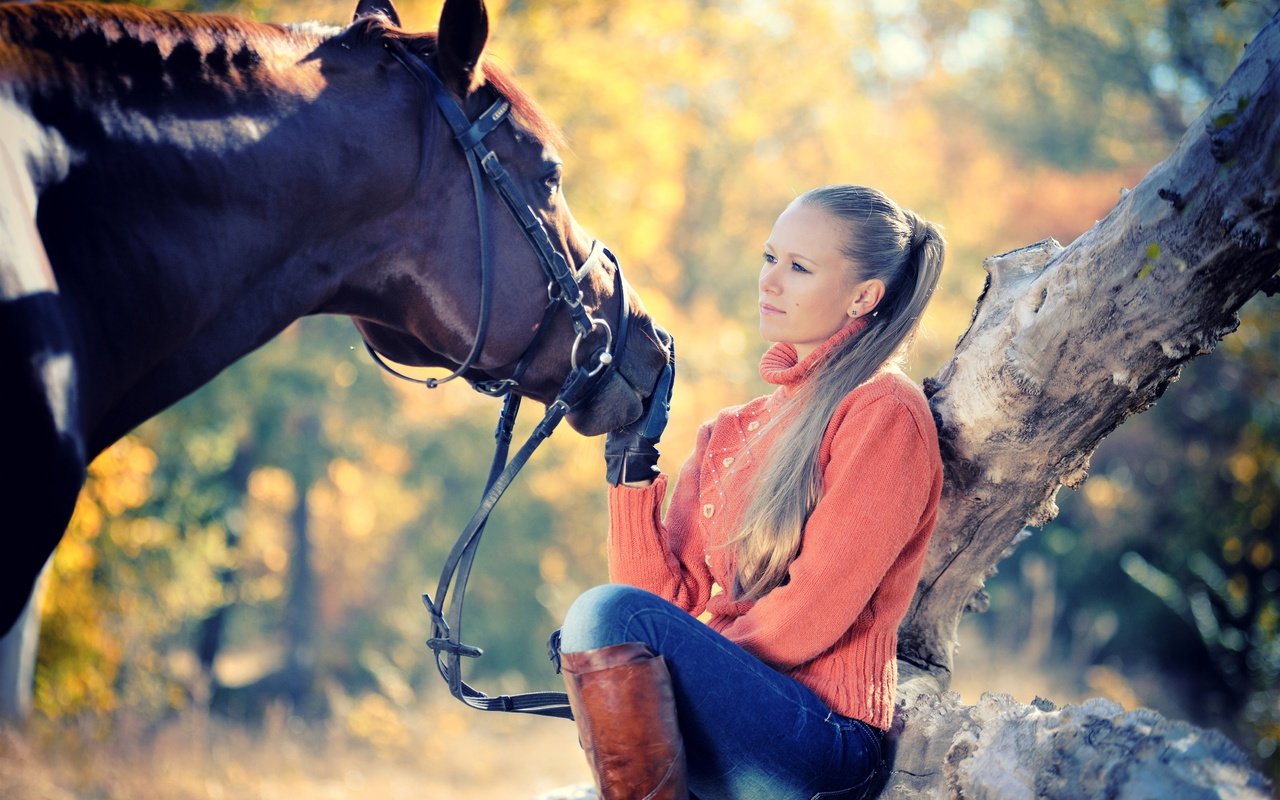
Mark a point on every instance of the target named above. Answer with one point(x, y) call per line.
point(601, 615)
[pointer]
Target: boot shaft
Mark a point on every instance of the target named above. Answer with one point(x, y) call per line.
point(625, 710)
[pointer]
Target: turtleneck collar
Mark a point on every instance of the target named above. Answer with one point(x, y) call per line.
point(781, 365)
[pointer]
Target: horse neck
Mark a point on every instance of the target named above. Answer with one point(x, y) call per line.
point(201, 212)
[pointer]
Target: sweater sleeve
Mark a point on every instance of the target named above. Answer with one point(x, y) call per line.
point(664, 557)
point(877, 487)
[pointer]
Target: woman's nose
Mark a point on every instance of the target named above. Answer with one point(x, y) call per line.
point(768, 283)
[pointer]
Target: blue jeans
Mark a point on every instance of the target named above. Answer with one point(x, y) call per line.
point(750, 732)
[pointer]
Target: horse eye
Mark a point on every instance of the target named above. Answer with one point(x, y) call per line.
point(552, 179)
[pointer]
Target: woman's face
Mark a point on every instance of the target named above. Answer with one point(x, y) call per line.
point(806, 289)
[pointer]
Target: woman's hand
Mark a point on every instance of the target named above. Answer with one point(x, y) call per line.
point(631, 452)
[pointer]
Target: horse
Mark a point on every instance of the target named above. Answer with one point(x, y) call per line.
point(176, 189)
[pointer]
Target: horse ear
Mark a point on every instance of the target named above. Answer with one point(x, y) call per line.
point(464, 30)
point(367, 8)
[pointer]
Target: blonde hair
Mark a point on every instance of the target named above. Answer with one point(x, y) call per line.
point(883, 241)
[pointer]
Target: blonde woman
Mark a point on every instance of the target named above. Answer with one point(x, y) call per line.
point(798, 528)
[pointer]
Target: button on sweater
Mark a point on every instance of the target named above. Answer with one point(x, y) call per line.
point(833, 626)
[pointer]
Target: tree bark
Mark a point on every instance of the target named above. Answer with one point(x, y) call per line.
point(1065, 343)
point(300, 613)
point(210, 630)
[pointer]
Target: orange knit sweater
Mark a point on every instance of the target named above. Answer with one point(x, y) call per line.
point(834, 625)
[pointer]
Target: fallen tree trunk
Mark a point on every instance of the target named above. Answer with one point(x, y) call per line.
point(1001, 748)
point(1065, 343)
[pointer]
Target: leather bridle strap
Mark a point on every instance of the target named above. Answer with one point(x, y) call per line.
point(470, 137)
point(446, 607)
point(447, 619)
point(497, 387)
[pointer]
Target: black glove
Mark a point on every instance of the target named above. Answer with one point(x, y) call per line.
point(631, 452)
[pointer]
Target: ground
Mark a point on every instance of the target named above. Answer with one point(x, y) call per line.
point(371, 748)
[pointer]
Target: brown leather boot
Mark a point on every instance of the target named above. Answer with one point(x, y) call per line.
point(626, 714)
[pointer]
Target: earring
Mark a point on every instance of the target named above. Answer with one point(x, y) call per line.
point(853, 312)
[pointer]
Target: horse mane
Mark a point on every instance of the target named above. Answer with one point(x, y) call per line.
point(523, 107)
point(138, 54)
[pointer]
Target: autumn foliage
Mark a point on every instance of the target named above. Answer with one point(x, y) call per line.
point(691, 125)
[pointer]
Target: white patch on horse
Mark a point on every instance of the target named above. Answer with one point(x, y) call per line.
point(313, 29)
point(233, 133)
point(58, 374)
point(31, 157)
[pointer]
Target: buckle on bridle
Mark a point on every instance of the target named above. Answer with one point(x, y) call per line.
point(496, 387)
point(556, 294)
point(457, 648)
point(445, 642)
point(492, 166)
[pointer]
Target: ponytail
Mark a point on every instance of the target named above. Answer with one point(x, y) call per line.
point(905, 252)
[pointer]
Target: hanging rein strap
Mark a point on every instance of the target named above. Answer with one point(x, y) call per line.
point(447, 605)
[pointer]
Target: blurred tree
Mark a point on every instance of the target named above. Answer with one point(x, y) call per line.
point(1088, 84)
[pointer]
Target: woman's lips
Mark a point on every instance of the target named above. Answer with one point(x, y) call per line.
point(765, 308)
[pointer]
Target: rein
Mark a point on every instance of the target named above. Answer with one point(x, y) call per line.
point(582, 382)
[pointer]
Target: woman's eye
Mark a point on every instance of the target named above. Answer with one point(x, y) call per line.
point(769, 259)
point(797, 268)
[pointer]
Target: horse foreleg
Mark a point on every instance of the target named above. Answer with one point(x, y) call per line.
point(18, 659)
point(42, 446)
point(43, 462)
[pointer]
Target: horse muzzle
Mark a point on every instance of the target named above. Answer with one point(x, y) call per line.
point(621, 397)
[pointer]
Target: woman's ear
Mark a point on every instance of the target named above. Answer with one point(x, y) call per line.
point(866, 296)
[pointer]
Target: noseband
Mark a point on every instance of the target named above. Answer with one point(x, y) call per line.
point(584, 379)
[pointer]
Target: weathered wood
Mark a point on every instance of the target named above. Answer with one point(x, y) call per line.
point(1001, 748)
point(1067, 342)
point(1064, 345)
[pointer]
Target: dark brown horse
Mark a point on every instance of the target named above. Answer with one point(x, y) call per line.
point(175, 189)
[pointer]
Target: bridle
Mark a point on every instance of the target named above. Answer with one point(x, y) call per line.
point(562, 283)
point(584, 379)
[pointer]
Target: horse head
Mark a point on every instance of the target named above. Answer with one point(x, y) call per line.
point(442, 314)
point(176, 189)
